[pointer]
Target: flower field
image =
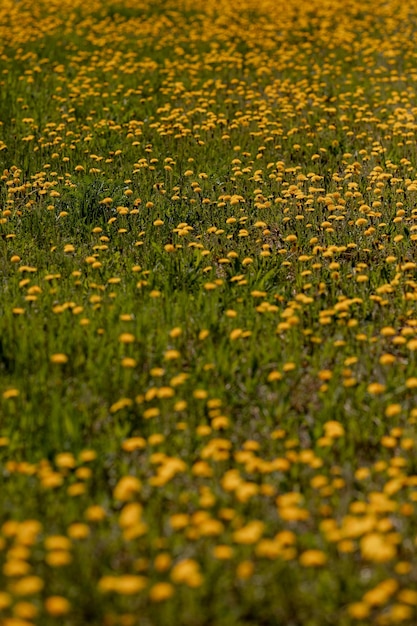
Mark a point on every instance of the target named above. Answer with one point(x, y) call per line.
point(208, 313)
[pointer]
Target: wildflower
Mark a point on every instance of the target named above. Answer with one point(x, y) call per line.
point(187, 572)
point(57, 606)
point(400, 613)
point(250, 533)
point(245, 570)
point(313, 558)
point(387, 359)
point(334, 429)
point(375, 548)
point(59, 358)
point(28, 586)
point(126, 585)
point(65, 460)
point(134, 443)
point(131, 515)
point(86, 456)
point(78, 531)
point(171, 355)
point(392, 410)
point(127, 338)
point(376, 388)
point(223, 552)
point(268, 548)
point(274, 375)
point(95, 513)
point(5, 600)
point(11, 393)
point(359, 610)
point(126, 488)
point(128, 362)
point(161, 592)
point(162, 562)
point(408, 596)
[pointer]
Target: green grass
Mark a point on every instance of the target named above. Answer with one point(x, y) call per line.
point(208, 283)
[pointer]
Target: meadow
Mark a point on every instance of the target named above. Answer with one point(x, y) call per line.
point(208, 313)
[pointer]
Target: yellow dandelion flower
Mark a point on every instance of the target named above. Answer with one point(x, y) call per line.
point(134, 443)
point(187, 572)
point(269, 549)
point(95, 513)
point(11, 393)
point(161, 592)
point(5, 600)
point(359, 610)
point(57, 542)
point(245, 570)
point(162, 562)
point(25, 611)
point(313, 558)
point(57, 606)
point(223, 552)
point(374, 547)
point(78, 530)
point(156, 439)
point(400, 613)
point(59, 358)
point(87, 455)
point(171, 355)
point(376, 388)
point(249, 534)
point(151, 412)
point(128, 362)
point(325, 375)
point(16, 567)
point(127, 585)
point(346, 546)
point(387, 359)
point(274, 375)
point(408, 596)
point(131, 514)
point(392, 410)
point(127, 338)
point(333, 429)
point(126, 488)
point(28, 586)
point(211, 527)
point(179, 521)
point(120, 404)
point(65, 460)
point(403, 568)
point(200, 394)
point(293, 513)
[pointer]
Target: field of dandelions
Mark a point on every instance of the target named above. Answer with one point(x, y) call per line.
point(208, 313)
